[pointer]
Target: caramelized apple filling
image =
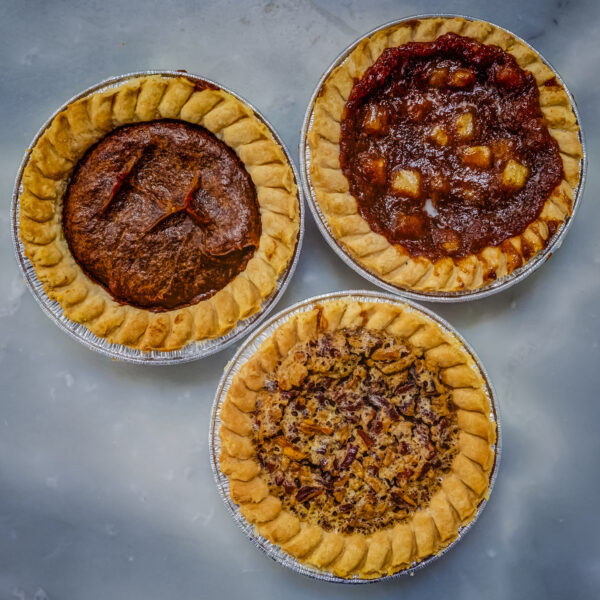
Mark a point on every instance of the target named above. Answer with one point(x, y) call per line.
point(354, 430)
point(453, 124)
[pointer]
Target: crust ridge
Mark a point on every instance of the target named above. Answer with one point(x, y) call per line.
point(326, 179)
point(431, 527)
point(86, 121)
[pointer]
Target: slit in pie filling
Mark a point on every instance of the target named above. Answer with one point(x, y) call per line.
point(158, 212)
point(354, 431)
point(445, 148)
point(162, 214)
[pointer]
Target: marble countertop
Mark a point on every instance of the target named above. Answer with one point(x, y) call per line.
point(105, 484)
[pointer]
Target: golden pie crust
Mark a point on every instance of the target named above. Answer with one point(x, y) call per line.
point(392, 263)
point(429, 528)
point(145, 98)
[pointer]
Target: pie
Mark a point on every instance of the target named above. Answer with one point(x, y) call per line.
point(158, 212)
point(212, 226)
point(444, 153)
point(358, 438)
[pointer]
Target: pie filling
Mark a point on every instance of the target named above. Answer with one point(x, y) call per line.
point(445, 148)
point(162, 214)
point(354, 430)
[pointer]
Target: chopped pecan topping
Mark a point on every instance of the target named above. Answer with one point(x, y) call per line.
point(353, 430)
point(514, 174)
point(477, 156)
point(438, 77)
point(464, 125)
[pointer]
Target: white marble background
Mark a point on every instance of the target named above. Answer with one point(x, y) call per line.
point(105, 484)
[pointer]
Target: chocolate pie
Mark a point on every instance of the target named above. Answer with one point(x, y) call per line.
point(358, 438)
point(171, 195)
point(444, 154)
point(158, 212)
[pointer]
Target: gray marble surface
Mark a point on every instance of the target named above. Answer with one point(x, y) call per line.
point(105, 484)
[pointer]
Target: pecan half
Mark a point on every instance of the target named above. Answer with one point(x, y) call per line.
point(310, 427)
point(289, 449)
point(308, 492)
point(350, 456)
point(365, 437)
point(383, 403)
point(403, 475)
point(400, 498)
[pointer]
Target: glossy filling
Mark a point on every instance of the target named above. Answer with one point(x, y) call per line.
point(162, 214)
point(354, 431)
point(445, 148)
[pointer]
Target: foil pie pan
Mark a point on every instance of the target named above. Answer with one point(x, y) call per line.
point(496, 286)
point(193, 350)
point(248, 348)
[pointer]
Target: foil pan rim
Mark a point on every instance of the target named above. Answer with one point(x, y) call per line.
point(249, 346)
point(447, 297)
point(193, 350)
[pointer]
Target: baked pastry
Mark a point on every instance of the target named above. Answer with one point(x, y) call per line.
point(445, 154)
point(358, 438)
point(158, 212)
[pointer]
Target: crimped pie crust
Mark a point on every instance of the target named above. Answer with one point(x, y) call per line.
point(392, 263)
point(146, 98)
point(430, 528)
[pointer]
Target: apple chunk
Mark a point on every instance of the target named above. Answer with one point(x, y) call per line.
point(438, 77)
point(373, 168)
point(464, 125)
point(514, 175)
point(477, 156)
point(438, 135)
point(375, 120)
point(407, 183)
point(461, 78)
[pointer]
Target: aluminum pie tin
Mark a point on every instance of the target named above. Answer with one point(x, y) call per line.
point(249, 347)
point(193, 350)
point(461, 296)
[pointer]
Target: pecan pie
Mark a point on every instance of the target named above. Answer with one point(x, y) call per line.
point(444, 154)
point(358, 438)
point(158, 212)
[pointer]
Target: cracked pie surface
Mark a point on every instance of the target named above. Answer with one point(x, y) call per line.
point(445, 154)
point(358, 438)
point(158, 212)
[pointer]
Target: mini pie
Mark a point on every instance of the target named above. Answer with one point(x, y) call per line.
point(158, 212)
point(358, 438)
point(444, 154)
